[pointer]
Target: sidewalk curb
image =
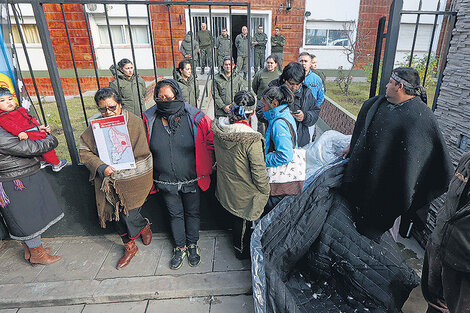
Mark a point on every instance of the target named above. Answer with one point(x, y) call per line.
point(124, 289)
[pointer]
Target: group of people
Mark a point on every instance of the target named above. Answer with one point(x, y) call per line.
point(398, 161)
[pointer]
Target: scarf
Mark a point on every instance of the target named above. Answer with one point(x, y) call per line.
point(171, 111)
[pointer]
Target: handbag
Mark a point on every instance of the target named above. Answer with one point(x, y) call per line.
point(288, 179)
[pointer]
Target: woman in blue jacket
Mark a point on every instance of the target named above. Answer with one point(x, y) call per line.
point(280, 134)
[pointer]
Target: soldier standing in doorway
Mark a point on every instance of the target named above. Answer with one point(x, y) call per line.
point(241, 42)
point(222, 44)
point(277, 46)
point(259, 43)
point(206, 42)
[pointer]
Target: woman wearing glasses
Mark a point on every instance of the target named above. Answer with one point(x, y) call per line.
point(120, 194)
point(182, 145)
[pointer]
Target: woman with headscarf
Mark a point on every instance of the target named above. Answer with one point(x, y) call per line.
point(120, 194)
point(242, 180)
point(129, 85)
point(181, 142)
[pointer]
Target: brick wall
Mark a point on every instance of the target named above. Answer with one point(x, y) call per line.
point(336, 117)
point(369, 13)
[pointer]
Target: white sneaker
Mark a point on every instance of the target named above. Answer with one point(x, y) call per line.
point(58, 167)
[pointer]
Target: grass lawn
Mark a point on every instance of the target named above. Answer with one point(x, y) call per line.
point(358, 93)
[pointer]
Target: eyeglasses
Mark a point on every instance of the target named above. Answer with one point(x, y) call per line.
point(165, 98)
point(111, 108)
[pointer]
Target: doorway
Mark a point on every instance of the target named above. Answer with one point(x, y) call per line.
point(238, 21)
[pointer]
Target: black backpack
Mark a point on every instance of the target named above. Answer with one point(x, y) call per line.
point(455, 244)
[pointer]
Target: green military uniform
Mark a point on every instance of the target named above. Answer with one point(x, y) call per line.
point(277, 48)
point(262, 79)
point(206, 42)
point(241, 42)
point(223, 92)
point(260, 50)
point(222, 45)
point(128, 91)
point(185, 49)
point(323, 78)
point(187, 89)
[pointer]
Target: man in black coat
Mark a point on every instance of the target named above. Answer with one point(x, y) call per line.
point(398, 161)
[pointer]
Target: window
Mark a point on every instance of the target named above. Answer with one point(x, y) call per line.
point(30, 33)
point(326, 37)
point(218, 22)
point(120, 34)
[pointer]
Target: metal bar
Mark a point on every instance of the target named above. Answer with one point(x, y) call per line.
point(90, 40)
point(391, 43)
point(112, 47)
point(193, 70)
point(429, 12)
point(28, 61)
point(249, 44)
point(378, 54)
point(152, 43)
point(74, 65)
point(430, 44)
point(212, 71)
point(55, 80)
point(105, 2)
point(451, 26)
point(415, 34)
point(231, 52)
point(136, 73)
point(171, 38)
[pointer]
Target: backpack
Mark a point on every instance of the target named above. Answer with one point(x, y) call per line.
point(455, 243)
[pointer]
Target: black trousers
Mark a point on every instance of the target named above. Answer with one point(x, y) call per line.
point(183, 208)
point(241, 234)
point(130, 227)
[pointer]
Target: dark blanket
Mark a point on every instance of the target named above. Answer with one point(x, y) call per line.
point(398, 162)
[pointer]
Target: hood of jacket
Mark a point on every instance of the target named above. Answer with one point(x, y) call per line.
point(232, 134)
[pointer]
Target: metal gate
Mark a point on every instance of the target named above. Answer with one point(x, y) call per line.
point(391, 41)
point(114, 34)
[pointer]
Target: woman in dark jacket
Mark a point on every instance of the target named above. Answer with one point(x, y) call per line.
point(304, 110)
point(27, 203)
point(129, 86)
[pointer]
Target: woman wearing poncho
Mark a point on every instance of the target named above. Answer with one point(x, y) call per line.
point(120, 194)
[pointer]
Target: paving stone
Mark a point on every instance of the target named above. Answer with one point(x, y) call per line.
point(123, 307)
point(54, 309)
point(14, 269)
point(9, 311)
point(206, 250)
point(225, 259)
point(47, 294)
point(188, 305)
point(237, 304)
point(80, 260)
point(143, 264)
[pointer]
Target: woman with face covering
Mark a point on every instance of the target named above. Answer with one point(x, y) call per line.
point(304, 109)
point(129, 86)
point(242, 180)
point(120, 194)
point(181, 142)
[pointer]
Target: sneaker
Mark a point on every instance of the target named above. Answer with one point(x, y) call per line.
point(58, 167)
point(177, 258)
point(193, 255)
point(44, 164)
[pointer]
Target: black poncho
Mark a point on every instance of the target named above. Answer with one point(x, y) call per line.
point(398, 162)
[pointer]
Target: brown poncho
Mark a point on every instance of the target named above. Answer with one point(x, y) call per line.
point(127, 189)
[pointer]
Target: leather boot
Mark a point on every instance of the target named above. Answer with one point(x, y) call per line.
point(40, 256)
point(131, 250)
point(146, 234)
point(27, 254)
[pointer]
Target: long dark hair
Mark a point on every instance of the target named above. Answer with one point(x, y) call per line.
point(282, 94)
point(411, 76)
point(182, 64)
point(243, 99)
point(106, 93)
point(123, 62)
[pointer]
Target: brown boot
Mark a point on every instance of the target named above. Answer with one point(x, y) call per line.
point(40, 256)
point(146, 234)
point(27, 254)
point(131, 250)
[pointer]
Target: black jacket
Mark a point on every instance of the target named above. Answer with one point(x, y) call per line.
point(19, 158)
point(307, 105)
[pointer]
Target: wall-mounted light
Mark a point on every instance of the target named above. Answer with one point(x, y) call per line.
point(286, 6)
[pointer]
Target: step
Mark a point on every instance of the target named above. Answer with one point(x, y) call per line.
point(125, 289)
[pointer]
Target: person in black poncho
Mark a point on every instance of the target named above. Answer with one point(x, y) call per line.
point(398, 160)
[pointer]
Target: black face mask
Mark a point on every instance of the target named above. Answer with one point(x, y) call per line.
point(169, 108)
